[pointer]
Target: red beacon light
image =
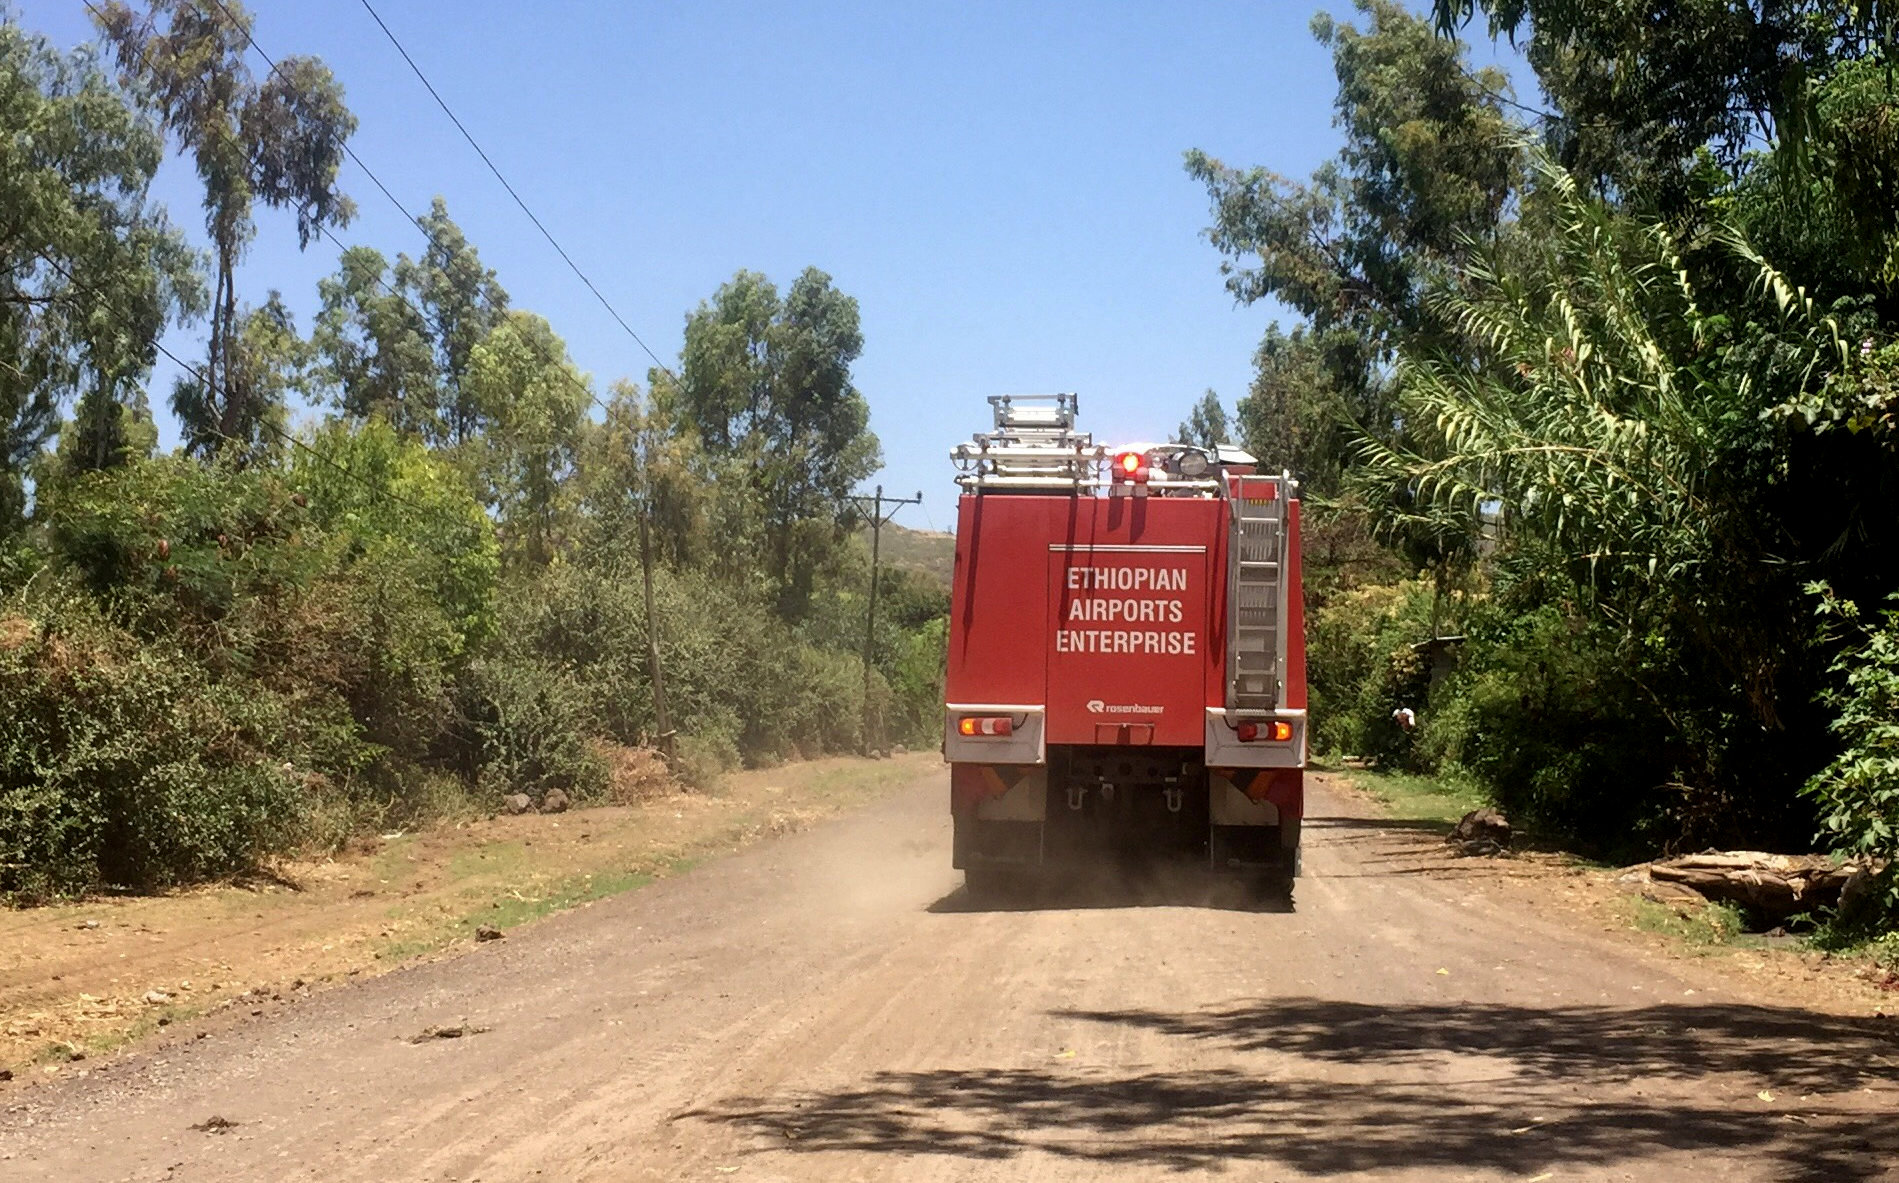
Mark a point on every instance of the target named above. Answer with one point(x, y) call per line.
point(1131, 466)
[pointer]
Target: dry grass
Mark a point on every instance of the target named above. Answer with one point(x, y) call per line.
point(635, 774)
point(80, 978)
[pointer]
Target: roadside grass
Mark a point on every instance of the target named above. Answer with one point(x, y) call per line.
point(1410, 797)
point(533, 899)
point(532, 892)
point(1709, 928)
point(75, 975)
point(102, 1042)
point(1709, 931)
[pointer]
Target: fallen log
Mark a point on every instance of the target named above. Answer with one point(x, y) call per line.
point(1769, 887)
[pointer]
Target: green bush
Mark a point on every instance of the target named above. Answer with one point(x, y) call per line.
point(1362, 664)
point(735, 674)
point(174, 547)
point(1543, 712)
point(245, 659)
point(528, 725)
point(349, 589)
point(701, 759)
point(124, 763)
point(1858, 791)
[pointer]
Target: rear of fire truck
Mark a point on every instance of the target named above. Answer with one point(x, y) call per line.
point(1126, 677)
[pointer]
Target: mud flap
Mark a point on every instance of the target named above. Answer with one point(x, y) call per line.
point(1246, 834)
point(999, 814)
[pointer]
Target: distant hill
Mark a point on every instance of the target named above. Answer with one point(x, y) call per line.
point(923, 551)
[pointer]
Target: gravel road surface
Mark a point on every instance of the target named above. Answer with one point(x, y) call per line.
point(830, 1006)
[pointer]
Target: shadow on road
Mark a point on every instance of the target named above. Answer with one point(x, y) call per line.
point(1353, 1088)
point(1422, 827)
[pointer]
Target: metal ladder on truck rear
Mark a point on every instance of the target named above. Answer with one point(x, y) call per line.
point(1256, 594)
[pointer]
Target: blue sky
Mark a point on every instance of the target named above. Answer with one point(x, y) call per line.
point(999, 185)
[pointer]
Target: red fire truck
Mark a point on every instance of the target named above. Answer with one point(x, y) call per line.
point(1126, 672)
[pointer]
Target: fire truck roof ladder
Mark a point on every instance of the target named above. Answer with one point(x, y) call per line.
point(1256, 594)
point(1033, 446)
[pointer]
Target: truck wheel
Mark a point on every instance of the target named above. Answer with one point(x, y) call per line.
point(1273, 886)
point(988, 884)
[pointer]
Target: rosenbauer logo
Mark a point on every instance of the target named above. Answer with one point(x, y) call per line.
point(1098, 707)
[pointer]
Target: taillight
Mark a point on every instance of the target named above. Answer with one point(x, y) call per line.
point(1277, 731)
point(976, 725)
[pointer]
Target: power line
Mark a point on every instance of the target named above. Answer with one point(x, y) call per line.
point(325, 232)
point(241, 27)
point(479, 151)
point(551, 361)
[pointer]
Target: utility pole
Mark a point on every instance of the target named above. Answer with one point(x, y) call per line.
point(878, 517)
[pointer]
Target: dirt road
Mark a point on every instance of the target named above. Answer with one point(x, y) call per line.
point(829, 1006)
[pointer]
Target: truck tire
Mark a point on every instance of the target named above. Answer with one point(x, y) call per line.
point(989, 883)
point(1273, 886)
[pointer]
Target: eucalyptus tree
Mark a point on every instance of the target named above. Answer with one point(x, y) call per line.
point(1205, 424)
point(90, 270)
point(766, 383)
point(461, 301)
point(376, 353)
point(279, 141)
point(1649, 96)
point(1428, 173)
point(535, 400)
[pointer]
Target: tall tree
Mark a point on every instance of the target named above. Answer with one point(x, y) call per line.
point(1647, 92)
point(536, 399)
point(1205, 424)
point(462, 301)
point(1292, 417)
point(767, 381)
point(106, 432)
point(264, 362)
point(378, 356)
point(90, 271)
point(635, 464)
point(280, 142)
point(1427, 174)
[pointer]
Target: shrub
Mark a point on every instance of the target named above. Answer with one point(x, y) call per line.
point(736, 675)
point(123, 763)
point(349, 587)
point(700, 760)
point(1362, 664)
point(527, 723)
point(1544, 713)
point(1858, 791)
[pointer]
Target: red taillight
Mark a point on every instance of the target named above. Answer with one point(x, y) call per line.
point(977, 725)
point(1277, 731)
